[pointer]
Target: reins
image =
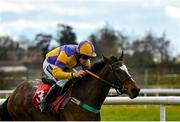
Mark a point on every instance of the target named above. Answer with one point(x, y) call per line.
point(119, 90)
point(105, 81)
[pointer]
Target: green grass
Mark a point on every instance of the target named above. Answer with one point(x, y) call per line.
point(138, 113)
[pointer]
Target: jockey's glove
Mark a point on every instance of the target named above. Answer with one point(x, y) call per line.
point(78, 74)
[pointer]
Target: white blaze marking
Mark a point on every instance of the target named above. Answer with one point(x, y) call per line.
point(124, 68)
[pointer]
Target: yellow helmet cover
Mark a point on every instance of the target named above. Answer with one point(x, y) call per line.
point(87, 48)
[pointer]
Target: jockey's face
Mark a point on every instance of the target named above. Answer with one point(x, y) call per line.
point(83, 61)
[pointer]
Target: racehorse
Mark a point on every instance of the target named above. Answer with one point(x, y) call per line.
point(87, 94)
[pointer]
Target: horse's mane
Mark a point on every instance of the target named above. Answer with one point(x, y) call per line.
point(101, 63)
point(97, 65)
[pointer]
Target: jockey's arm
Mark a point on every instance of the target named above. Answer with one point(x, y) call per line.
point(58, 73)
point(61, 62)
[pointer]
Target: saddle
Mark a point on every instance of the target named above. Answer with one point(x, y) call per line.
point(56, 104)
point(47, 80)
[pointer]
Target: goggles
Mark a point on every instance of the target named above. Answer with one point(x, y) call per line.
point(85, 57)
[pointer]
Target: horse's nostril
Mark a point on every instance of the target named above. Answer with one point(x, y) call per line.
point(135, 91)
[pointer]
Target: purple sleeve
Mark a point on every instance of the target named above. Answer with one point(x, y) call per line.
point(60, 65)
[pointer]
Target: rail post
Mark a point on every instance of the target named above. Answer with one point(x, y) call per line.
point(162, 113)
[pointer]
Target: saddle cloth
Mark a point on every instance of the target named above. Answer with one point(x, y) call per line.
point(41, 93)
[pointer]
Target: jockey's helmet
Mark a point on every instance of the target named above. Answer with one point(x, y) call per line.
point(86, 48)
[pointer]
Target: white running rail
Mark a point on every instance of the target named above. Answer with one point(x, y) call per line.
point(162, 101)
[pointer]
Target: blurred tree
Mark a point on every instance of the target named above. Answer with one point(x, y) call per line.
point(150, 49)
point(144, 50)
point(146, 44)
point(124, 41)
point(23, 42)
point(108, 41)
point(9, 49)
point(141, 60)
point(43, 42)
point(93, 39)
point(66, 35)
point(163, 48)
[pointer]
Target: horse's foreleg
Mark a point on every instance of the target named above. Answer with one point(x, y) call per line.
point(98, 117)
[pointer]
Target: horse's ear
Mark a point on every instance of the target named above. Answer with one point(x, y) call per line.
point(122, 56)
point(105, 59)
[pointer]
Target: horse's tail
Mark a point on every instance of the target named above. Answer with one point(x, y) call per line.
point(4, 114)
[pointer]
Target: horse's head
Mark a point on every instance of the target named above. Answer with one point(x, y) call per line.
point(119, 76)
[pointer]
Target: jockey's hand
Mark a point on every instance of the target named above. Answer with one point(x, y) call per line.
point(79, 74)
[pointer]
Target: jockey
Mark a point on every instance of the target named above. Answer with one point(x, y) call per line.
point(61, 59)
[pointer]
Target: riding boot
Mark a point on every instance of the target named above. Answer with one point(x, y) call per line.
point(54, 91)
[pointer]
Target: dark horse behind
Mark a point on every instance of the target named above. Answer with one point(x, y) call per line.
point(88, 90)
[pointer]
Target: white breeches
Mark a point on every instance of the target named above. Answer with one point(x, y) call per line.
point(47, 67)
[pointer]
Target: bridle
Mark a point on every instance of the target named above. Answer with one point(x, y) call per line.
point(118, 82)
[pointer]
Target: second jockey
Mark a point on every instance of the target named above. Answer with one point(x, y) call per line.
point(61, 59)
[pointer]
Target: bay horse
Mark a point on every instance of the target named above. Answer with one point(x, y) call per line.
point(87, 94)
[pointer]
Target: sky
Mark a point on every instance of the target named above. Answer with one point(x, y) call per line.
point(133, 17)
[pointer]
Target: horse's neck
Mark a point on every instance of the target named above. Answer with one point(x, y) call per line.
point(91, 91)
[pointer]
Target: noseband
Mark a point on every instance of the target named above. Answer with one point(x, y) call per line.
point(119, 82)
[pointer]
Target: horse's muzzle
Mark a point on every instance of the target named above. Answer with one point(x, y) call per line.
point(134, 92)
